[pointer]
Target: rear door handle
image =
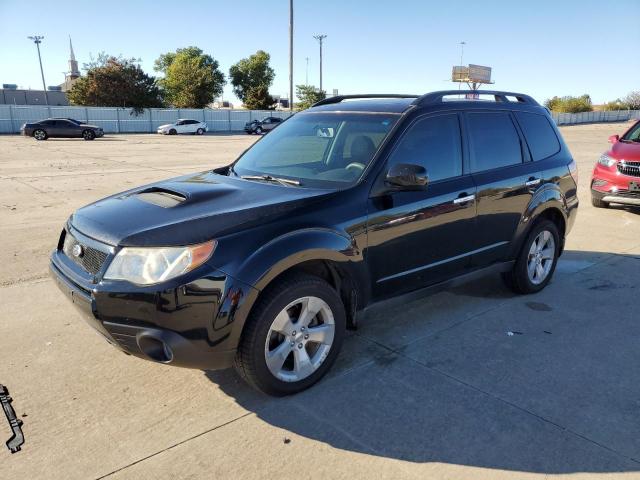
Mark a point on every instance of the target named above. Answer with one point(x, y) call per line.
point(468, 198)
point(532, 182)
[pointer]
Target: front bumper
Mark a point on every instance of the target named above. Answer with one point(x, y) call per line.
point(195, 324)
point(612, 186)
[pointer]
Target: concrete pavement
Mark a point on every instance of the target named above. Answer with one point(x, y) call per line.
point(437, 389)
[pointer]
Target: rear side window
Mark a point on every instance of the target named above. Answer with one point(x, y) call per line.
point(539, 133)
point(494, 141)
point(435, 143)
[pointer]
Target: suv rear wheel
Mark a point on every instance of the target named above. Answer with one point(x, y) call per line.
point(537, 261)
point(293, 335)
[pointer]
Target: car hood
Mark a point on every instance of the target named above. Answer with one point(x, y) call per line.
point(626, 151)
point(166, 125)
point(188, 210)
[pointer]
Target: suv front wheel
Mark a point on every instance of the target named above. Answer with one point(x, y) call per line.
point(537, 261)
point(293, 335)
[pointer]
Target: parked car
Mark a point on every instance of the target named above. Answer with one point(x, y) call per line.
point(184, 125)
point(616, 176)
point(264, 263)
point(262, 126)
point(61, 128)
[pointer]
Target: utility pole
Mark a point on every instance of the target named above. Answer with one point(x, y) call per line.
point(37, 39)
point(291, 55)
point(320, 38)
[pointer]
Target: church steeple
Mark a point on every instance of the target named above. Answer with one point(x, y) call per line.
point(74, 72)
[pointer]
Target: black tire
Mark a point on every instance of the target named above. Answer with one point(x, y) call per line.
point(200, 131)
point(259, 130)
point(40, 134)
point(518, 278)
point(598, 203)
point(89, 135)
point(250, 360)
point(173, 132)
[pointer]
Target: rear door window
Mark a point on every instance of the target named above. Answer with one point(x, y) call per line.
point(539, 133)
point(494, 141)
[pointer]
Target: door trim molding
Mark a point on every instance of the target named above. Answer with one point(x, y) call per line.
point(441, 262)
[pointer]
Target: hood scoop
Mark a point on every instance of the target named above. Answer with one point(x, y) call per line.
point(161, 197)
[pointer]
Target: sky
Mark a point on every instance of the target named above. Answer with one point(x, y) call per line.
point(543, 48)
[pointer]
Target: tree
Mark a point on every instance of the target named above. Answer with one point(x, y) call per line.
point(116, 82)
point(250, 73)
point(192, 78)
point(258, 98)
point(308, 95)
point(570, 104)
point(633, 100)
point(616, 104)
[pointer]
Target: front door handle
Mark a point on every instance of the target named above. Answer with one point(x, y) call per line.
point(532, 182)
point(465, 199)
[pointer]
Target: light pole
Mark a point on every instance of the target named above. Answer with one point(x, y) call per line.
point(320, 38)
point(462, 44)
point(291, 55)
point(306, 76)
point(37, 39)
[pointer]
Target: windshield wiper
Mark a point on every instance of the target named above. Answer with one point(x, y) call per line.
point(287, 182)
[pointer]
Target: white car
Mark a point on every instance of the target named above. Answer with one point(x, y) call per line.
point(183, 125)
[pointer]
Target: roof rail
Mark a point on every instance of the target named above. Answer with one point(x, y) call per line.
point(340, 98)
point(436, 97)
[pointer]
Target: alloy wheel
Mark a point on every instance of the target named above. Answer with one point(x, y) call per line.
point(541, 257)
point(299, 339)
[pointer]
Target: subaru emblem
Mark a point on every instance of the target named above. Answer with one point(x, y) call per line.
point(77, 251)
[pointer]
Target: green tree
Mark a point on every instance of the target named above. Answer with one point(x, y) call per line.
point(250, 73)
point(192, 79)
point(616, 104)
point(116, 82)
point(633, 100)
point(308, 95)
point(258, 98)
point(570, 104)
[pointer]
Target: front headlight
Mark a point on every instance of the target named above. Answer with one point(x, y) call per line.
point(146, 266)
point(606, 161)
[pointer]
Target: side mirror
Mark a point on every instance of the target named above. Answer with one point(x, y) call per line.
point(614, 138)
point(406, 176)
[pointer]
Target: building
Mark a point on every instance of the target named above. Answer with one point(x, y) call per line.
point(74, 73)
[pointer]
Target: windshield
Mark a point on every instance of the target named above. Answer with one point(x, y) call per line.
point(323, 150)
point(632, 135)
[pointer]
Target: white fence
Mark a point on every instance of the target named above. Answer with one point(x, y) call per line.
point(595, 117)
point(125, 120)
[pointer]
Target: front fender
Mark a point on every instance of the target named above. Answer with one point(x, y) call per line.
point(282, 253)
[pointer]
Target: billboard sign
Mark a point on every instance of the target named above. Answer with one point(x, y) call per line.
point(480, 74)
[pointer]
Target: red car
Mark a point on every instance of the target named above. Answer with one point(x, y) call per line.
point(616, 176)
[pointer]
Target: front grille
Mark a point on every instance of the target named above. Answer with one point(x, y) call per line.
point(629, 168)
point(91, 259)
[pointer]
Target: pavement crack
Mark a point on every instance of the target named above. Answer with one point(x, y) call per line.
point(174, 445)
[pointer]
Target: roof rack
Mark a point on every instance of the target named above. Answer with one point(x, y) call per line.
point(340, 98)
point(436, 97)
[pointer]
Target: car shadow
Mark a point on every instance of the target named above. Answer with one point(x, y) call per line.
point(542, 383)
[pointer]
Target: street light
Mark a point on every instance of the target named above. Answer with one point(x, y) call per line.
point(37, 39)
point(320, 38)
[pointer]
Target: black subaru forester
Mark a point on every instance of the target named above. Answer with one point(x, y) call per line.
point(264, 263)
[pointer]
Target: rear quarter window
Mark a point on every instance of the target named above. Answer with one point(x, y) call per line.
point(539, 133)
